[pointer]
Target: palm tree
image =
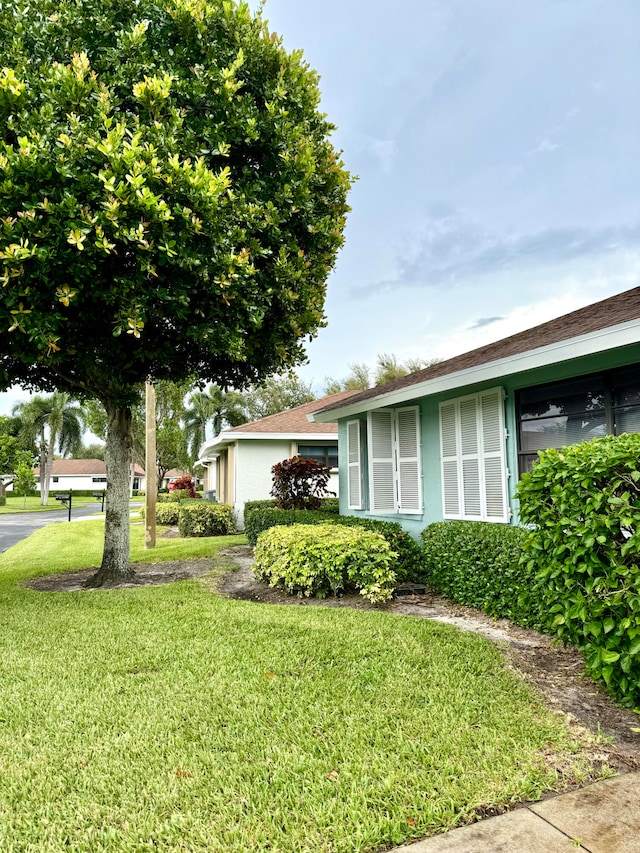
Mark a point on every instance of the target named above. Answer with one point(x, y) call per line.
point(51, 421)
point(215, 406)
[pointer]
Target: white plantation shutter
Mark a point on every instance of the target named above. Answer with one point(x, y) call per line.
point(408, 450)
point(493, 456)
point(381, 462)
point(354, 489)
point(472, 443)
point(470, 457)
point(450, 460)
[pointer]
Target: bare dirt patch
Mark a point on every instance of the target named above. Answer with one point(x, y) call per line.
point(556, 671)
point(146, 574)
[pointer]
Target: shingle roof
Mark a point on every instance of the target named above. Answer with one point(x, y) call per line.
point(81, 467)
point(609, 312)
point(295, 420)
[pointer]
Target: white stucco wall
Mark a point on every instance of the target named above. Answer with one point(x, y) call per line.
point(253, 463)
point(75, 481)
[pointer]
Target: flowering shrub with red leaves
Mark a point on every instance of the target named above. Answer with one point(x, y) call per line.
point(185, 484)
point(300, 483)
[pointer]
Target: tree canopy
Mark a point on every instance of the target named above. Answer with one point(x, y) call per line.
point(276, 394)
point(386, 369)
point(170, 203)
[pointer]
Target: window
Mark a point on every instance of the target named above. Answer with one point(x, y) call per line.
point(55, 479)
point(99, 479)
point(577, 410)
point(326, 454)
point(395, 476)
point(472, 448)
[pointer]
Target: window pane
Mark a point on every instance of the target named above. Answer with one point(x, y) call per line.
point(561, 431)
point(324, 453)
point(626, 386)
point(628, 419)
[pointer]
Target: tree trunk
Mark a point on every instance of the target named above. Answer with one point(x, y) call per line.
point(115, 565)
point(44, 482)
point(48, 471)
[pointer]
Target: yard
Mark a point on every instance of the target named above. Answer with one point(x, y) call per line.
point(33, 504)
point(170, 718)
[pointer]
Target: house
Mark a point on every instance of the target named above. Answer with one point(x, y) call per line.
point(83, 474)
point(239, 460)
point(450, 441)
point(174, 474)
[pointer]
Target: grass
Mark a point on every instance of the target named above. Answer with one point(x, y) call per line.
point(168, 718)
point(32, 504)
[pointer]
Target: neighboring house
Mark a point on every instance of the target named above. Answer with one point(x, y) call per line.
point(85, 474)
point(174, 474)
point(450, 441)
point(239, 460)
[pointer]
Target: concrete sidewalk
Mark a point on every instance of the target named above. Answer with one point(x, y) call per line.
point(601, 818)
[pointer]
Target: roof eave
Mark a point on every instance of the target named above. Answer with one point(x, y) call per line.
point(601, 340)
point(222, 440)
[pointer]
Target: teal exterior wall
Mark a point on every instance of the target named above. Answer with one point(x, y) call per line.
point(430, 430)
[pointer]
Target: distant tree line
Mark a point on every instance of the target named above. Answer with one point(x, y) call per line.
point(46, 427)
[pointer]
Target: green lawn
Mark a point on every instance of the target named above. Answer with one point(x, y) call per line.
point(170, 719)
point(32, 504)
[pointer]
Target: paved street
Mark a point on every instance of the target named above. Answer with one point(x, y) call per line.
point(17, 526)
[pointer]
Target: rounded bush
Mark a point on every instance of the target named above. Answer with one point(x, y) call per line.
point(318, 559)
point(204, 518)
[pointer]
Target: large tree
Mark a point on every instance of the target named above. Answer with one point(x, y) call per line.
point(386, 369)
point(51, 423)
point(276, 394)
point(15, 452)
point(170, 206)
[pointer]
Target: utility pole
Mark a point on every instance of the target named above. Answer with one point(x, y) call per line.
point(150, 467)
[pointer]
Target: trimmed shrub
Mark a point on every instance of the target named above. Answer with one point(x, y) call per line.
point(299, 483)
point(477, 564)
point(583, 506)
point(263, 518)
point(410, 559)
point(251, 506)
point(326, 505)
point(185, 484)
point(318, 559)
point(205, 518)
point(166, 513)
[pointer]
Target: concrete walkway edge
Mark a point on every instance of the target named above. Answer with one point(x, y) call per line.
point(603, 817)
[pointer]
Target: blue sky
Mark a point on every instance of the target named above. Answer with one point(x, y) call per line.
point(496, 144)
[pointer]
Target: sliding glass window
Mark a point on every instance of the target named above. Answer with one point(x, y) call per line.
point(577, 410)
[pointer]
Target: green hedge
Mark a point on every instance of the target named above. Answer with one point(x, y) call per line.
point(316, 559)
point(262, 518)
point(205, 518)
point(583, 506)
point(410, 561)
point(477, 564)
point(327, 505)
point(75, 493)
